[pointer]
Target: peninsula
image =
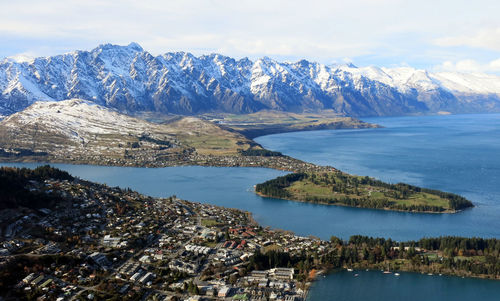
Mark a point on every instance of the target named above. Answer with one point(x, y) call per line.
point(275, 122)
point(339, 188)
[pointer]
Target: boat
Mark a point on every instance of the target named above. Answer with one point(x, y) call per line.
point(356, 275)
point(429, 274)
point(349, 270)
point(387, 272)
point(396, 274)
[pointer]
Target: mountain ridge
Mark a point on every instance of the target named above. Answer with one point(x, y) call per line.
point(130, 79)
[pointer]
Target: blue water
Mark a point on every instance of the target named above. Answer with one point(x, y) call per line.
point(376, 286)
point(458, 153)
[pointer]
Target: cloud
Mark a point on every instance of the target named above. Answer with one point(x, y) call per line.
point(470, 65)
point(372, 31)
point(487, 38)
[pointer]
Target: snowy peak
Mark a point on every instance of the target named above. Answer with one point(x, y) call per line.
point(130, 79)
point(475, 83)
point(71, 118)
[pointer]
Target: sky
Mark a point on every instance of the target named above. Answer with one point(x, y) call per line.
point(438, 35)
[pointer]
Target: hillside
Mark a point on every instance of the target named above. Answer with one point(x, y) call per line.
point(337, 188)
point(14, 183)
point(82, 132)
point(131, 80)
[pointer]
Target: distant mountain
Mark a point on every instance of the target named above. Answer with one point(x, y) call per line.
point(132, 80)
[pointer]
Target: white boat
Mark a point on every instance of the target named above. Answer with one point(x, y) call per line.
point(396, 274)
point(387, 272)
point(349, 270)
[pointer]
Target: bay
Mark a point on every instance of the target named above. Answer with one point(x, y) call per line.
point(376, 286)
point(457, 153)
point(460, 154)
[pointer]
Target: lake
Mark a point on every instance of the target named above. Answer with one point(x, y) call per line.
point(455, 153)
point(376, 286)
point(460, 154)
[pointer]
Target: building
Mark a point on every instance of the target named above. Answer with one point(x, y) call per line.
point(224, 291)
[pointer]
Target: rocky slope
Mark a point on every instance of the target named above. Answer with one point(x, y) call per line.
point(131, 80)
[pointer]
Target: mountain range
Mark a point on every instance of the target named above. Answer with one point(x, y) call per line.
point(131, 80)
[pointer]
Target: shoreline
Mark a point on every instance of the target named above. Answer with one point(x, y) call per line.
point(193, 158)
point(377, 269)
point(327, 271)
point(323, 270)
point(359, 207)
point(252, 132)
point(283, 163)
point(305, 166)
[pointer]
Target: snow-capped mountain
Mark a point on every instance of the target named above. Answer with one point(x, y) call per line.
point(130, 79)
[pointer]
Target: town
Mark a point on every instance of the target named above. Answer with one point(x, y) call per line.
point(102, 242)
point(63, 238)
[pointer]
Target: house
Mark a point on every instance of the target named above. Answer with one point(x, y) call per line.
point(283, 273)
point(136, 276)
point(109, 241)
point(100, 259)
point(28, 278)
point(146, 278)
point(145, 259)
point(224, 291)
point(259, 274)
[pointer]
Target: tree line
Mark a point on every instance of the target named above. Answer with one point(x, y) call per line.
point(14, 190)
point(276, 187)
point(260, 153)
point(459, 256)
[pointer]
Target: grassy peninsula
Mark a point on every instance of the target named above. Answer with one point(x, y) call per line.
point(338, 188)
point(273, 122)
